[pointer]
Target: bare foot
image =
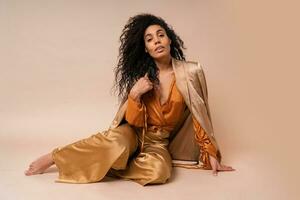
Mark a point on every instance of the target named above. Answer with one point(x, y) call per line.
point(39, 165)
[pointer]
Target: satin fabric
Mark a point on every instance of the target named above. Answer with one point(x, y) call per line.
point(127, 151)
point(116, 153)
point(191, 83)
point(166, 116)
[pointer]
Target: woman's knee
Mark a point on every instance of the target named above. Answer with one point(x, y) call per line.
point(123, 136)
point(160, 172)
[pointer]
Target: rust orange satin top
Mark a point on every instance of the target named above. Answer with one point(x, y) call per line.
point(166, 116)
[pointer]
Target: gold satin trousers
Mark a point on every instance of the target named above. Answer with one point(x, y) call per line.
point(116, 152)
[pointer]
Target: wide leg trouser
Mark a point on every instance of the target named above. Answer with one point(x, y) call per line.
point(115, 151)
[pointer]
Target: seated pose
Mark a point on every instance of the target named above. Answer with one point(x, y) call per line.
point(163, 116)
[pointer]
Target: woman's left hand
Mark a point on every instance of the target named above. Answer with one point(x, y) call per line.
point(216, 166)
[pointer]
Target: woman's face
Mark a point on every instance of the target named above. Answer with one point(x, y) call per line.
point(157, 42)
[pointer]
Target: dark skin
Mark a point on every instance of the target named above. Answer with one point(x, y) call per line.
point(157, 45)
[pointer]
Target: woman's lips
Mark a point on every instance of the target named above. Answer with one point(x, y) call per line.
point(159, 49)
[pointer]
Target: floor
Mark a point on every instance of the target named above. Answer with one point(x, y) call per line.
point(254, 178)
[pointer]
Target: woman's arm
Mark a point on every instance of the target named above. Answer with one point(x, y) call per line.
point(208, 152)
point(135, 113)
point(135, 109)
point(206, 147)
point(211, 156)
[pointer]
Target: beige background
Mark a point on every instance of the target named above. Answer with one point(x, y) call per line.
point(56, 64)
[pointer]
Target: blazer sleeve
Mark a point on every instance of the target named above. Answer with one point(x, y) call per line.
point(206, 146)
point(135, 113)
point(202, 80)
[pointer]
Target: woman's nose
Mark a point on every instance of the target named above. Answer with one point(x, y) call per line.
point(156, 40)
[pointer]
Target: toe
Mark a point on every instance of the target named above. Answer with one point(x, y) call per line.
point(27, 172)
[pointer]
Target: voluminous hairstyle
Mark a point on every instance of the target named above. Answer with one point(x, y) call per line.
point(133, 61)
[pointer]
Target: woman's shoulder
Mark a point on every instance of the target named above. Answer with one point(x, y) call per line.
point(193, 66)
point(189, 63)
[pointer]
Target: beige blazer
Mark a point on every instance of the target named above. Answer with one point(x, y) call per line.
point(191, 82)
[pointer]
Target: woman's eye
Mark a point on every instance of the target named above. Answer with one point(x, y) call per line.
point(148, 40)
point(161, 35)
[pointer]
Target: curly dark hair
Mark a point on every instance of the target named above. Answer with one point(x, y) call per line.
point(133, 61)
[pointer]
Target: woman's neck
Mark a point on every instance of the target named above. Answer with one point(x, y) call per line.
point(164, 64)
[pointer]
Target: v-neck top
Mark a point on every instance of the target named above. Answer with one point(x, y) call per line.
point(166, 116)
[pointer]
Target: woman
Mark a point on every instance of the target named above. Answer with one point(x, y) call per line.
point(163, 115)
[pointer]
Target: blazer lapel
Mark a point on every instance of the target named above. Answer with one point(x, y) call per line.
point(187, 86)
point(192, 87)
point(181, 81)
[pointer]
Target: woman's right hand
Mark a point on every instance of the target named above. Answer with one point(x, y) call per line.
point(216, 166)
point(142, 86)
